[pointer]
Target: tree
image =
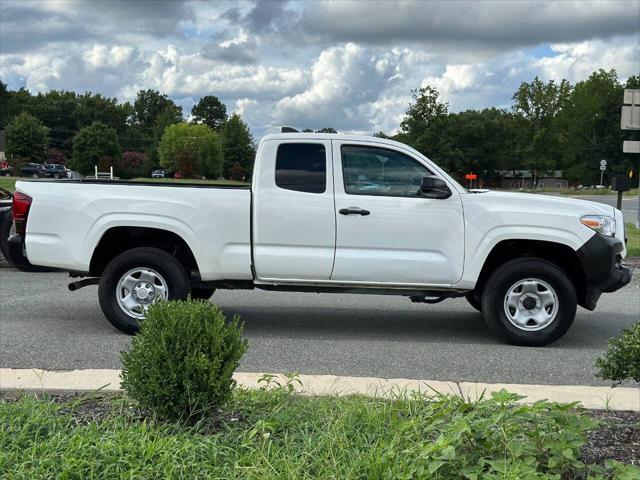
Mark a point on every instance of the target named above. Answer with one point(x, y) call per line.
point(95, 145)
point(149, 104)
point(210, 111)
point(56, 110)
point(96, 108)
point(590, 129)
point(423, 112)
point(237, 146)
point(538, 103)
point(27, 138)
point(197, 144)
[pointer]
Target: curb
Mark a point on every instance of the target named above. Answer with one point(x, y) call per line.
point(73, 381)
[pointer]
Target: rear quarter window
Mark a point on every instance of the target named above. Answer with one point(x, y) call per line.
point(302, 167)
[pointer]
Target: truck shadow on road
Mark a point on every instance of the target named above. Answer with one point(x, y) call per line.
point(364, 324)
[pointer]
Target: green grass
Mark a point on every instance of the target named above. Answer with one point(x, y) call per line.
point(8, 183)
point(633, 240)
point(276, 434)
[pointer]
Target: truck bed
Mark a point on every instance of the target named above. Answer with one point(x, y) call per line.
point(69, 217)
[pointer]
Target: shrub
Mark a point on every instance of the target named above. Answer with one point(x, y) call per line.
point(180, 365)
point(622, 359)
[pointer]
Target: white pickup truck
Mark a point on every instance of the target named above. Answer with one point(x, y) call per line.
point(328, 213)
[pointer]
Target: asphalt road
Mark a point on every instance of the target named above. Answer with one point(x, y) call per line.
point(43, 325)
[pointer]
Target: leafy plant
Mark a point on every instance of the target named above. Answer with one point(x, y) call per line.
point(27, 138)
point(180, 365)
point(622, 359)
point(95, 145)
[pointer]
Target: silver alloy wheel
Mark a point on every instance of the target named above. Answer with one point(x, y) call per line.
point(531, 304)
point(139, 288)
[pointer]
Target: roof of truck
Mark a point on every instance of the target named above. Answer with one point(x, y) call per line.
point(332, 136)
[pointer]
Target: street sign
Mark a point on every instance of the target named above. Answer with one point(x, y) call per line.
point(630, 118)
point(471, 176)
point(631, 96)
point(603, 163)
point(603, 167)
point(631, 146)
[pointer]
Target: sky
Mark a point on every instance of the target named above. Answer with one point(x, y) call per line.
point(350, 65)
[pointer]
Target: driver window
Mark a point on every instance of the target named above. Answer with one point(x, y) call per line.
point(378, 171)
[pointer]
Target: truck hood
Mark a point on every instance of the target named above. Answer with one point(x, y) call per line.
point(538, 203)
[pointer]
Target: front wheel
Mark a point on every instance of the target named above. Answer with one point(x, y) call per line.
point(134, 280)
point(474, 300)
point(529, 302)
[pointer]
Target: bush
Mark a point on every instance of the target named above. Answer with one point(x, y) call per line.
point(180, 365)
point(622, 359)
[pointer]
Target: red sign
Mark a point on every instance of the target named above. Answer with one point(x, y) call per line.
point(471, 176)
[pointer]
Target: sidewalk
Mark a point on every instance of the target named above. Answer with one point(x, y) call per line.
point(12, 380)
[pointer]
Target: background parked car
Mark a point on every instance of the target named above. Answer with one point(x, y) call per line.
point(54, 170)
point(32, 170)
point(159, 173)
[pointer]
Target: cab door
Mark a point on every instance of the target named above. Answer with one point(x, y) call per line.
point(294, 225)
point(386, 231)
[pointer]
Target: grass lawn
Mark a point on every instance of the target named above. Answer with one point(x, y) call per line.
point(276, 434)
point(633, 240)
point(8, 183)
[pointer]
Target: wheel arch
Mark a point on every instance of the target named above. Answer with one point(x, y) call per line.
point(559, 254)
point(119, 239)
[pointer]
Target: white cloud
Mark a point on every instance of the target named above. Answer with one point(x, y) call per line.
point(348, 65)
point(343, 80)
point(576, 61)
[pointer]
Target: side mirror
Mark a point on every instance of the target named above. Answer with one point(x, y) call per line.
point(434, 187)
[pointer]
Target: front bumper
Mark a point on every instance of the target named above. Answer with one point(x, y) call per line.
point(17, 254)
point(603, 268)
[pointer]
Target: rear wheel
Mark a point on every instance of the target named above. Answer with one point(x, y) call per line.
point(202, 293)
point(529, 302)
point(134, 280)
point(6, 224)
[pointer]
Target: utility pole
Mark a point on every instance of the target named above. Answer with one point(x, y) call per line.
point(630, 120)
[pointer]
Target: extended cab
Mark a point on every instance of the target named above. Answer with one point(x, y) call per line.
point(329, 213)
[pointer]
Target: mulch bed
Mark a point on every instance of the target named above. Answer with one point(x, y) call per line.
point(617, 438)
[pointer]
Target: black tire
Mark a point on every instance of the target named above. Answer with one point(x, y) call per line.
point(6, 222)
point(202, 293)
point(167, 266)
point(505, 277)
point(474, 300)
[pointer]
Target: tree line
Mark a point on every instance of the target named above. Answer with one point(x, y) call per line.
point(550, 126)
point(87, 130)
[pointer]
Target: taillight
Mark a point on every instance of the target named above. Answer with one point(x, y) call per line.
point(21, 206)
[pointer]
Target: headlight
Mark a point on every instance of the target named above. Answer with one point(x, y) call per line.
point(600, 223)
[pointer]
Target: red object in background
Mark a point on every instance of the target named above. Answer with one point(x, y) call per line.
point(4, 166)
point(471, 176)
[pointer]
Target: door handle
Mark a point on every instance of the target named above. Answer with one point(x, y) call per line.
point(354, 211)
